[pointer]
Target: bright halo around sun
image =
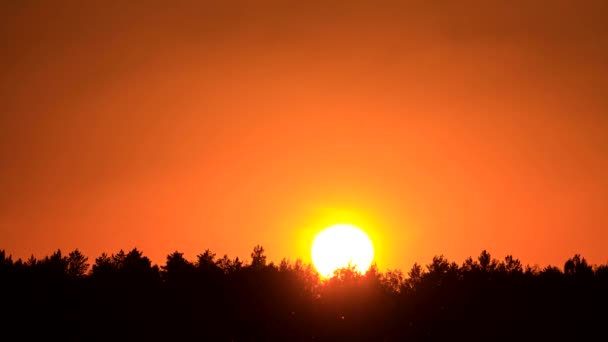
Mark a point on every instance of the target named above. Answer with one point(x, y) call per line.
point(341, 245)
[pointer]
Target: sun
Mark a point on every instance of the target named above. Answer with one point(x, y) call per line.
point(341, 245)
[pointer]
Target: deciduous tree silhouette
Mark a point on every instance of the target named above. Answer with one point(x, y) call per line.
point(577, 266)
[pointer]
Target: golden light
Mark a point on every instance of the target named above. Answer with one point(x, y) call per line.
point(341, 245)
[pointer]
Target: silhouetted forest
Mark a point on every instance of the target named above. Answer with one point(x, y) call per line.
point(123, 296)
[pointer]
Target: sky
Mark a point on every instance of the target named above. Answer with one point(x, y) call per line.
point(437, 127)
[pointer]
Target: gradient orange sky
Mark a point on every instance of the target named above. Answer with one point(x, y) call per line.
point(439, 128)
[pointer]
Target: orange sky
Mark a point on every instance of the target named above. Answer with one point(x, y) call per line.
point(440, 129)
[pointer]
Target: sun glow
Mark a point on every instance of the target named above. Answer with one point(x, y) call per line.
point(341, 245)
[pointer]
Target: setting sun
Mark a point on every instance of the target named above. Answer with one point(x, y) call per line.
point(341, 245)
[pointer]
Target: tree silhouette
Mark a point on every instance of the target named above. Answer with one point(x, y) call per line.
point(77, 265)
point(229, 266)
point(511, 266)
point(177, 268)
point(577, 266)
point(129, 298)
point(206, 261)
point(258, 259)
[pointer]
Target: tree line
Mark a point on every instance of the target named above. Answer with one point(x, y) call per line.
point(124, 296)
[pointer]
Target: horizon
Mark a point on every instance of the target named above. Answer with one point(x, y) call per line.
point(247, 260)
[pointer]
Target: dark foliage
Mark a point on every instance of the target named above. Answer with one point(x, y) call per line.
point(124, 297)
